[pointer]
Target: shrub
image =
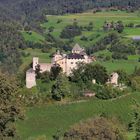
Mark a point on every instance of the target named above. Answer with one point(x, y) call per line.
point(98, 129)
point(108, 92)
point(71, 31)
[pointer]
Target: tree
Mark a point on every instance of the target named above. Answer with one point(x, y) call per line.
point(55, 71)
point(37, 71)
point(97, 72)
point(10, 42)
point(61, 88)
point(119, 27)
point(135, 83)
point(138, 129)
point(71, 31)
point(88, 72)
point(77, 74)
point(51, 29)
point(136, 71)
point(108, 92)
point(123, 77)
point(96, 129)
point(45, 77)
point(10, 109)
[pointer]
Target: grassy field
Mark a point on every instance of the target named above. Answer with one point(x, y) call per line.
point(98, 20)
point(47, 120)
point(112, 65)
point(126, 65)
point(33, 37)
point(83, 19)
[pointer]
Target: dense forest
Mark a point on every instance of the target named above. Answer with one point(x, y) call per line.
point(10, 42)
point(28, 11)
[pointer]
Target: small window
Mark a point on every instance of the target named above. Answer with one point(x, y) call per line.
point(71, 62)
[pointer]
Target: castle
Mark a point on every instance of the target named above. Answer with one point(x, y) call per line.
point(67, 62)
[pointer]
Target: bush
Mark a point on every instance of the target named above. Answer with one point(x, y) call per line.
point(119, 56)
point(108, 92)
point(71, 31)
point(98, 129)
point(135, 83)
point(59, 21)
point(51, 29)
point(84, 38)
point(130, 25)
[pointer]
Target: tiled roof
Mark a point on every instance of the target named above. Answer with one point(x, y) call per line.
point(75, 56)
point(77, 48)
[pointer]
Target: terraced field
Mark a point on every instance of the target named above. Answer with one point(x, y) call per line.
point(83, 19)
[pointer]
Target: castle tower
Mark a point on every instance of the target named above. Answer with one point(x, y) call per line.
point(30, 78)
point(57, 57)
point(35, 62)
point(114, 78)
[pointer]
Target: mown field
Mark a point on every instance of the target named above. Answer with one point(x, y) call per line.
point(47, 120)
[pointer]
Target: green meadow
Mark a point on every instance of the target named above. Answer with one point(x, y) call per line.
point(97, 19)
point(126, 65)
point(47, 120)
point(84, 19)
point(33, 36)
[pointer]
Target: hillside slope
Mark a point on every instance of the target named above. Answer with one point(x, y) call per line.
point(30, 10)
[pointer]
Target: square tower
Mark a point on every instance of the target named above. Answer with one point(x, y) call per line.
point(35, 62)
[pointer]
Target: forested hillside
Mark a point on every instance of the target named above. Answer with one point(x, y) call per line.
point(10, 41)
point(31, 10)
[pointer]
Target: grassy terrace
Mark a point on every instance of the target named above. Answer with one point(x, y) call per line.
point(46, 120)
